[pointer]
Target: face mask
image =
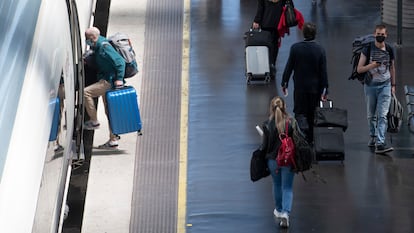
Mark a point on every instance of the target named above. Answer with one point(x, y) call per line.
point(380, 39)
point(89, 42)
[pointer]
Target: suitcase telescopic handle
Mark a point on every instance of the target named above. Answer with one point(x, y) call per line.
point(255, 30)
point(120, 87)
point(322, 102)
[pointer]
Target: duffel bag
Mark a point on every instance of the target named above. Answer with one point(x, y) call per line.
point(330, 116)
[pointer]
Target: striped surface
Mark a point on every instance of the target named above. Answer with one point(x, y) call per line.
point(154, 207)
point(389, 12)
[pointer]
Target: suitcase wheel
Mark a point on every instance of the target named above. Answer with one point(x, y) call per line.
point(249, 77)
point(267, 78)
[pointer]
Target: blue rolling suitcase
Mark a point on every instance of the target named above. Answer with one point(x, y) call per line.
point(56, 118)
point(123, 111)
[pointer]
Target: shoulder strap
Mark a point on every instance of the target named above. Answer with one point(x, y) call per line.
point(388, 47)
point(105, 43)
point(369, 52)
point(287, 128)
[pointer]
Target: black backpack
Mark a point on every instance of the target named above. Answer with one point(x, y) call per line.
point(358, 45)
point(304, 152)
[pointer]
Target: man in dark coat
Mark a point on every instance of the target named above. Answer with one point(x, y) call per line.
point(307, 61)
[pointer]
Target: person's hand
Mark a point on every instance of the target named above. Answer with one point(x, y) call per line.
point(324, 98)
point(255, 25)
point(393, 90)
point(119, 83)
point(285, 91)
point(375, 64)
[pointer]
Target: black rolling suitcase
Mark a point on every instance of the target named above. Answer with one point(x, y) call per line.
point(328, 132)
point(328, 143)
point(257, 55)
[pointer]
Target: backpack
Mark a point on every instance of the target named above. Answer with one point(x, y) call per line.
point(123, 46)
point(304, 152)
point(290, 14)
point(286, 153)
point(395, 115)
point(358, 45)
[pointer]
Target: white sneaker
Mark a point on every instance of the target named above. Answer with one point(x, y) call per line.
point(66, 212)
point(109, 145)
point(277, 214)
point(284, 220)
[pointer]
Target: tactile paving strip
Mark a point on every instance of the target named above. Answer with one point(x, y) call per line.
point(154, 204)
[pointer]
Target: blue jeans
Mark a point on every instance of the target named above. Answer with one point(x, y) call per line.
point(282, 186)
point(378, 99)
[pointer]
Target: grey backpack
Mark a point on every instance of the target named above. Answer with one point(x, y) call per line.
point(122, 45)
point(395, 115)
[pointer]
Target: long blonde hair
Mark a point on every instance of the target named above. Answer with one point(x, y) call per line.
point(277, 111)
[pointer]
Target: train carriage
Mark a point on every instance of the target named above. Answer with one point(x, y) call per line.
point(41, 46)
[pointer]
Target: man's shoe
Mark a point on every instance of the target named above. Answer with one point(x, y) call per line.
point(58, 148)
point(66, 212)
point(284, 220)
point(371, 142)
point(277, 214)
point(91, 125)
point(109, 145)
point(381, 149)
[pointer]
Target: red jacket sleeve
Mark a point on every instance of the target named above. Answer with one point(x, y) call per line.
point(299, 18)
point(282, 28)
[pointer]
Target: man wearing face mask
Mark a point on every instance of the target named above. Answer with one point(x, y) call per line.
point(377, 60)
point(110, 73)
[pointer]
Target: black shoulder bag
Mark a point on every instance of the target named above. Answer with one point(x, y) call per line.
point(290, 16)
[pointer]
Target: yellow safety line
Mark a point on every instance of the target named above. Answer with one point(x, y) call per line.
point(182, 176)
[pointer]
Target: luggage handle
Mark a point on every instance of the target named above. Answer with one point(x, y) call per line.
point(328, 100)
point(120, 87)
point(255, 30)
point(250, 31)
